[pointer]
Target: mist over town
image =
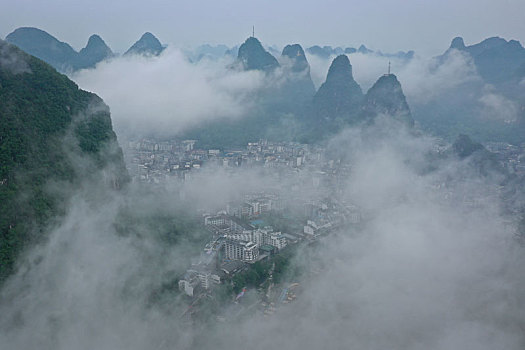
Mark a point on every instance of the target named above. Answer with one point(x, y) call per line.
point(262, 175)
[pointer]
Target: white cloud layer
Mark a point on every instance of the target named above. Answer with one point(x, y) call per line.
point(433, 266)
point(166, 94)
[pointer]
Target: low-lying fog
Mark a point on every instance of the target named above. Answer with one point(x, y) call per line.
point(427, 269)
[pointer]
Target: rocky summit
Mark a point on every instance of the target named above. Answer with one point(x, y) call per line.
point(42, 45)
point(339, 97)
point(299, 87)
point(95, 51)
point(386, 97)
point(295, 54)
point(147, 45)
point(59, 54)
point(252, 56)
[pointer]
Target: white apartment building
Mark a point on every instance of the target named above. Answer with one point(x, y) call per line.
point(241, 250)
point(260, 237)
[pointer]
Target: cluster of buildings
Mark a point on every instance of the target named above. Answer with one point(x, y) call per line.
point(234, 244)
point(155, 161)
point(239, 234)
point(325, 216)
point(241, 241)
point(240, 238)
point(255, 205)
point(511, 157)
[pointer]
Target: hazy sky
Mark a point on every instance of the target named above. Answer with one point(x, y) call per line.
point(424, 25)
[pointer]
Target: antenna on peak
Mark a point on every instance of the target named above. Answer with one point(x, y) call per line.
point(253, 31)
point(388, 67)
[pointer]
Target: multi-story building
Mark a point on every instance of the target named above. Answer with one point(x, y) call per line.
point(189, 283)
point(241, 250)
point(227, 225)
point(197, 278)
point(276, 239)
point(261, 237)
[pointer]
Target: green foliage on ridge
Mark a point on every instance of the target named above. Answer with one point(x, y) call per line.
point(40, 109)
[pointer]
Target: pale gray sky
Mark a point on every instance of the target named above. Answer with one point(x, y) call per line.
point(390, 25)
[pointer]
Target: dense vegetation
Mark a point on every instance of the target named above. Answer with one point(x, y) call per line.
point(47, 124)
point(259, 272)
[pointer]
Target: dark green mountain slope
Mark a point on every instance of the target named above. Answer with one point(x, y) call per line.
point(52, 136)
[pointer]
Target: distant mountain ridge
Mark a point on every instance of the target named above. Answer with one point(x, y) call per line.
point(340, 102)
point(327, 51)
point(60, 55)
point(65, 59)
point(40, 44)
point(291, 96)
point(293, 110)
point(148, 45)
point(490, 105)
point(496, 59)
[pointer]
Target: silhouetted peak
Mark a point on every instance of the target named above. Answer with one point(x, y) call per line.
point(493, 42)
point(339, 97)
point(294, 51)
point(318, 51)
point(96, 41)
point(388, 80)
point(148, 36)
point(253, 56)
point(30, 32)
point(457, 43)
point(95, 51)
point(386, 97)
point(31, 39)
point(251, 44)
point(363, 49)
point(41, 44)
point(296, 54)
point(147, 44)
point(340, 69)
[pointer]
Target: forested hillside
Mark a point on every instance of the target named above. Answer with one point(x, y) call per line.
point(52, 136)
